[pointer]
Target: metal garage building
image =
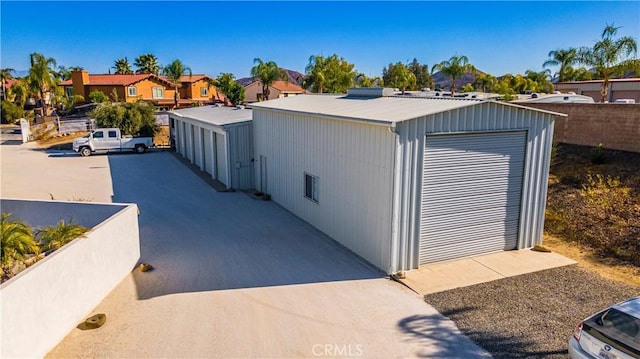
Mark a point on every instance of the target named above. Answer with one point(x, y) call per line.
point(406, 181)
point(217, 139)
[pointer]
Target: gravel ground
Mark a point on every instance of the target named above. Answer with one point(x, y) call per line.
point(531, 315)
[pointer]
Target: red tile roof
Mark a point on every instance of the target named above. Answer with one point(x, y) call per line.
point(286, 86)
point(121, 80)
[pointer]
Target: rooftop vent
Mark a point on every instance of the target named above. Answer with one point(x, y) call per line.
point(370, 92)
point(240, 107)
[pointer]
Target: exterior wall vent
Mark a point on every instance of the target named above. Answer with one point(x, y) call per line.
point(370, 92)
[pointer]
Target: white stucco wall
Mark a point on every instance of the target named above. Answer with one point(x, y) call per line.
point(46, 301)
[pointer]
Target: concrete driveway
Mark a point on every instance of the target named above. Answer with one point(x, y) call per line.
point(237, 277)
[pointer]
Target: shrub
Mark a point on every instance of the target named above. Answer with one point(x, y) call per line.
point(598, 155)
point(17, 243)
point(55, 236)
point(98, 97)
point(135, 119)
point(11, 112)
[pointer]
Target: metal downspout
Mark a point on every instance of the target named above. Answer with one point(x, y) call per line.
point(395, 207)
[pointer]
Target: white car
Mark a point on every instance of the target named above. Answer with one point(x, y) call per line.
point(613, 333)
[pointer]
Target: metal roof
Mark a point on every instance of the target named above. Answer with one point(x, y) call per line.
point(215, 115)
point(384, 110)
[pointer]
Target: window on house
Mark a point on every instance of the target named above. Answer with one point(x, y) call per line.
point(158, 92)
point(311, 187)
point(204, 92)
point(68, 91)
point(132, 91)
point(112, 134)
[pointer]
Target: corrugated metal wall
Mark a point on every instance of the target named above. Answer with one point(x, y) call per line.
point(354, 164)
point(222, 152)
point(486, 116)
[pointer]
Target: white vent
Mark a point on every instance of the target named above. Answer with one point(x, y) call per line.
point(240, 107)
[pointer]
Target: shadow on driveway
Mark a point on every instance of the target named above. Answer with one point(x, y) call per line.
point(201, 240)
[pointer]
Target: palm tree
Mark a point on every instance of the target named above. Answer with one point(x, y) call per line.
point(454, 68)
point(17, 243)
point(20, 92)
point(147, 64)
point(174, 72)
point(267, 73)
point(122, 67)
point(41, 75)
point(63, 73)
point(55, 236)
point(565, 58)
point(607, 53)
point(5, 74)
point(540, 80)
point(485, 82)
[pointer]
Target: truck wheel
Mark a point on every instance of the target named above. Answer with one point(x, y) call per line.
point(140, 148)
point(85, 151)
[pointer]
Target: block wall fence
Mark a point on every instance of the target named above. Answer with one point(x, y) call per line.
point(616, 126)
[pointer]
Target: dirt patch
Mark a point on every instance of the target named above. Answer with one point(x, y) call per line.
point(596, 206)
point(60, 142)
point(531, 315)
point(606, 267)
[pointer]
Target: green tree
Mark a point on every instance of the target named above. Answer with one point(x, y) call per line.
point(485, 82)
point(55, 236)
point(174, 72)
point(423, 76)
point(17, 243)
point(467, 87)
point(454, 68)
point(147, 64)
point(135, 119)
point(331, 74)
point(399, 76)
point(267, 73)
point(42, 75)
point(539, 81)
point(10, 112)
point(97, 96)
point(606, 54)
point(19, 93)
point(363, 80)
point(122, 67)
point(226, 85)
point(5, 74)
point(564, 58)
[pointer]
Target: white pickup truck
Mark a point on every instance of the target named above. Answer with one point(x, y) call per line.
point(110, 140)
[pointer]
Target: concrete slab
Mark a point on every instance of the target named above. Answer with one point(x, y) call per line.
point(443, 276)
point(234, 276)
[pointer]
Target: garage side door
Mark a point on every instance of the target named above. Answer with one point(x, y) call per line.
point(471, 191)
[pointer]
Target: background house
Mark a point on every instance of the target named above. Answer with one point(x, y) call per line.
point(219, 140)
point(149, 87)
point(127, 88)
point(197, 89)
point(618, 89)
point(279, 89)
point(405, 181)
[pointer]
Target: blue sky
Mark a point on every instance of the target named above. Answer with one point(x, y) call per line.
point(214, 37)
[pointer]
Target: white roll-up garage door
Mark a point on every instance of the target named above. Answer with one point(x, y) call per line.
point(471, 192)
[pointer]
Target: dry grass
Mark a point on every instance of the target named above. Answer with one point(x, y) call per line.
point(60, 142)
point(593, 211)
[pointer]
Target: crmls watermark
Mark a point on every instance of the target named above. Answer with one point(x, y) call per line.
point(337, 350)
